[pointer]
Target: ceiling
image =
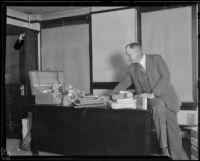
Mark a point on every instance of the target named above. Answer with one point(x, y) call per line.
point(41, 10)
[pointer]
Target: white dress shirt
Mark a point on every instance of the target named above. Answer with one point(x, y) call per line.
point(143, 62)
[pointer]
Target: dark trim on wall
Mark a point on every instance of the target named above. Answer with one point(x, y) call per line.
point(107, 85)
point(16, 18)
point(144, 9)
point(194, 53)
point(16, 30)
point(90, 54)
point(111, 10)
point(40, 50)
point(35, 21)
point(74, 20)
point(139, 35)
point(104, 85)
point(198, 64)
point(189, 106)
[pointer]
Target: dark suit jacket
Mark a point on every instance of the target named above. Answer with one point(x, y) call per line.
point(159, 79)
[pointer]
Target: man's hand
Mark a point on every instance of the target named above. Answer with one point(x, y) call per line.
point(21, 36)
point(105, 98)
point(148, 95)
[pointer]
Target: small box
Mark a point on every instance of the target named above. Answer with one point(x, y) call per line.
point(119, 96)
point(115, 105)
point(42, 81)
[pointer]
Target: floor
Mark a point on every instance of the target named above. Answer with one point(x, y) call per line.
point(12, 147)
point(13, 142)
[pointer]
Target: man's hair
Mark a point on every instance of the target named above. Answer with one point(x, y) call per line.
point(133, 45)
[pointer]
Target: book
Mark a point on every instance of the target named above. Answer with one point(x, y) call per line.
point(194, 151)
point(89, 102)
point(194, 132)
point(194, 158)
point(124, 100)
point(115, 105)
point(99, 105)
point(194, 142)
point(141, 102)
point(118, 96)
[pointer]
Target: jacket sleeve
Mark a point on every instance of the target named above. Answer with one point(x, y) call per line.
point(124, 83)
point(164, 76)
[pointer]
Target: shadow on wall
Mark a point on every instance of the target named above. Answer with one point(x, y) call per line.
point(119, 66)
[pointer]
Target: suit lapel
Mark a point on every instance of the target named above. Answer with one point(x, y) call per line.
point(138, 73)
point(149, 67)
point(137, 78)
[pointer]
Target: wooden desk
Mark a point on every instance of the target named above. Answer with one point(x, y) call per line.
point(90, 131)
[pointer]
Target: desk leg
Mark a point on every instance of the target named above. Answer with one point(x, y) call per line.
point(34, 149)
point(148, 135)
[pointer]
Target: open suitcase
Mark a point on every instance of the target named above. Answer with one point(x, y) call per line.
point(43, 80)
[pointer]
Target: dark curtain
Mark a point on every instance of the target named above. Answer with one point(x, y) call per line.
point(31, 61)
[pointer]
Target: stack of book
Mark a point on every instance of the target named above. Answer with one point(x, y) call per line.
point(88, 101)
point(194, 143)
point(123, 103)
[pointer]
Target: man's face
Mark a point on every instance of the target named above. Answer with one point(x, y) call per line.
point(134, 55)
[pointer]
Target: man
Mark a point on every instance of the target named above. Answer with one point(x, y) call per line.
point(151, 77)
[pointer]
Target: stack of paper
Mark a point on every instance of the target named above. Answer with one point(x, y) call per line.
point(194, 144)
point(119, 96)
point(123, 104)
point(125, 100)
point(89, 101)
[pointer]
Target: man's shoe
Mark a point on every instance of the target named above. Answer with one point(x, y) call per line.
point(165, 152)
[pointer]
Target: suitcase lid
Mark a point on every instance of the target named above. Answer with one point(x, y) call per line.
point(44, 79)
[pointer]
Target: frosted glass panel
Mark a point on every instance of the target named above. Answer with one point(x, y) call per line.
point(111, 31)
point(76, 57)
point(169, 33)
point(67, 49)
point(52, 49)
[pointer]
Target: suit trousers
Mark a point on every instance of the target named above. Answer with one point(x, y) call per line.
point(167, 128)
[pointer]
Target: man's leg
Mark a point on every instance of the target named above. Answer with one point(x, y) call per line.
point(174, 137)
point(159, 118)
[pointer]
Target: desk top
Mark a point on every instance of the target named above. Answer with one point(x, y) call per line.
point(71, 108)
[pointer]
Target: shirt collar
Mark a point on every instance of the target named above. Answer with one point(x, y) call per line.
point(142, 61)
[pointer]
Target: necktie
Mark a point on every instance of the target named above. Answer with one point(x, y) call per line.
point(141, 68)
